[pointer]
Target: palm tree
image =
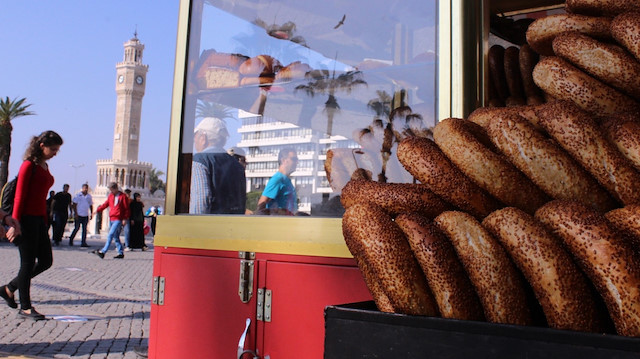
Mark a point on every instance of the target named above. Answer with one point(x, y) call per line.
point(381, 105)
point(324, 83)
point(213, 109)
point(9, 109)
point(155, 182)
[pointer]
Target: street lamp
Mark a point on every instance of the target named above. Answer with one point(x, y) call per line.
point(75, 174)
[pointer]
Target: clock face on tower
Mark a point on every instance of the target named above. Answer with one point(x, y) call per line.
point(139, 80)
point(120, 78)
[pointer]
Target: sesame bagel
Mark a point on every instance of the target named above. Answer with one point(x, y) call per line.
point(425, 161)
point(447, 279)
point(566, 82)
point(527, 61)
point(375, 288)
point(609, 262)
point(461, 141)
point(497, 75)
point(493, 275)
point(624, 132)
point(601, 7)
point(627, 220)
point(559, 285)
point(483, 115)
point(577, 132)
point(394, 197)
point(514, 80)
point(261, 65)
point(608, 63)
point(625, 29)
point(546, 163)
point(341, 167)
point(542, 31)
point(371, 235)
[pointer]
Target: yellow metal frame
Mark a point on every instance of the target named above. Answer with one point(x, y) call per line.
point(264, 234)
point(463, 26)
point(460, 65)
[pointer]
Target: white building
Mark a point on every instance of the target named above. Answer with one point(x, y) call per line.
point(262, 140)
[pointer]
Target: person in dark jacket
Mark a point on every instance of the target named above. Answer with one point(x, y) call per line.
point(136, 232)
point(50, 211)
point(61, 206)
point(218, 182)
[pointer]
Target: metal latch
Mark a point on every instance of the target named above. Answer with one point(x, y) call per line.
point(263, 307)
point(245, 286)
point(157, 296)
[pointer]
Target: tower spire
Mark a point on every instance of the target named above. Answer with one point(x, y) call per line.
point(135, 32)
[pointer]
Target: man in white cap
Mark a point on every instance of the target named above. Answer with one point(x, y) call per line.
point(218, 182)
point(238, 154)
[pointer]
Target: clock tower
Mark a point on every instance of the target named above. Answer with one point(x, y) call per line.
point(130, 84)
point(124, 167)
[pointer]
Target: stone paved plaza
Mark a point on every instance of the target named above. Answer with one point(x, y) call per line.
point(95, 308)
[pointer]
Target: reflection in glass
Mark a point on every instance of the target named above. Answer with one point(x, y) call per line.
point(339, 82)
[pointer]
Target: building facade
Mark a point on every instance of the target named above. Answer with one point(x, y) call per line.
point(262, 140)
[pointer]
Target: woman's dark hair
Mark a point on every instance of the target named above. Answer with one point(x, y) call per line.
point(47, 138)
point(136, 195)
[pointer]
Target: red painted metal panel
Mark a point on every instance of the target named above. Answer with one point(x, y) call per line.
point(153, 321)
point(202, 316)
point(300, 293)
point(306, 259)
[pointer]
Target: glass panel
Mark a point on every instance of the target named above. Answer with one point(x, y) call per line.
point(316, 79)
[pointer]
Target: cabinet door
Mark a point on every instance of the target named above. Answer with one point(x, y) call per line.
point(300, 292)
point(202, 315)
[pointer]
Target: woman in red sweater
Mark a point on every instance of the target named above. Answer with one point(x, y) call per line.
point(30, 209)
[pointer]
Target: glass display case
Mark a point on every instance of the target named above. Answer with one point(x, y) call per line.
point(323, 80)
point(306, 89)
point(308, 77)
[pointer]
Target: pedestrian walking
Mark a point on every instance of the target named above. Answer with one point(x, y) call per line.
point(279, 195)
point(30, 209)
point(82, 208)
point(61, 205)
point(127, 226)
point(153, 214)
point(137, 223)
point(50, 212)
point(118, 213)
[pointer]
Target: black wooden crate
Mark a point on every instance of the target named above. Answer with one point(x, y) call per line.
point(359, 330)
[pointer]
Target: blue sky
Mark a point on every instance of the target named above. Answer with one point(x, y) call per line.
point(61, 56)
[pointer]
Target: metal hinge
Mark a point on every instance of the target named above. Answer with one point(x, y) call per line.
point(263, 306)
point(157, 296)
point(245, 286)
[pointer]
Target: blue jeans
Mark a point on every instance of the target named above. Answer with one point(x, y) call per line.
point(114, 234)
point(80, 221)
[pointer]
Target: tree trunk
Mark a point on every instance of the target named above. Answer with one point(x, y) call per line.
point(5, 153)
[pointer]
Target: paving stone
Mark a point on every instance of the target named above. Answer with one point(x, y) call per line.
point(95, 308)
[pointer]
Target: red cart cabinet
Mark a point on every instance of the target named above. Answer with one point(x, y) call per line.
point(198, 305)
point(300, 292)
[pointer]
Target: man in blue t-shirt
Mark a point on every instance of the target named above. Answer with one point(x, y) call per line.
point(279, 196)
